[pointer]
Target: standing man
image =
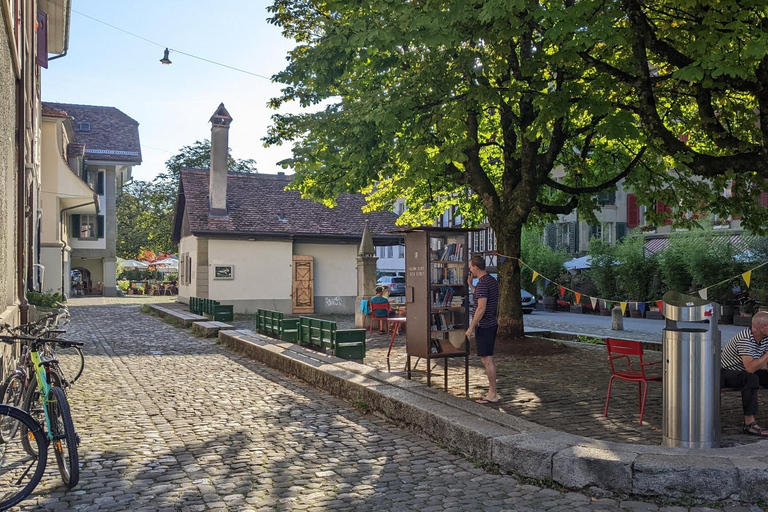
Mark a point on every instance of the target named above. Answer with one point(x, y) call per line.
point(744, 366)
point(484, 325)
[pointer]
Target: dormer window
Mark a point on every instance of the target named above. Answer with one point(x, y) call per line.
point(84, 127)
point(281, 216)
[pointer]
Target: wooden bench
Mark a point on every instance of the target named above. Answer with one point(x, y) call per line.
point(210, 329)
point(185, 318)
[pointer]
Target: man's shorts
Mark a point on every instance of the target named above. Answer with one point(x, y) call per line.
point(485, 339)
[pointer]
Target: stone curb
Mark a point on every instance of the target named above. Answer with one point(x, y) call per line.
point(516, 445)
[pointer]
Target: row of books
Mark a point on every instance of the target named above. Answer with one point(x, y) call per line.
point(443, 275)
point(442, 322)
point(443, 297)
point(450, 252)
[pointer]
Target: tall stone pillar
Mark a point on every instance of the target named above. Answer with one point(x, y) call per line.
point(366, 274)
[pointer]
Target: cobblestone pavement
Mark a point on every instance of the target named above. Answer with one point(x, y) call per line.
point(565, 391)
point(173, 422)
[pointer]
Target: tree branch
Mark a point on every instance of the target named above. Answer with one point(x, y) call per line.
point(597, 188)
point(558, 209)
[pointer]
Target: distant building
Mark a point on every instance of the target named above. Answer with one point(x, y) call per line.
point(103, 153)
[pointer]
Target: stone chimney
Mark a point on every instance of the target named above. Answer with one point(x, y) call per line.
point(217, 189)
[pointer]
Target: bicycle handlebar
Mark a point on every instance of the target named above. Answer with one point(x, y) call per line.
point(33, 339)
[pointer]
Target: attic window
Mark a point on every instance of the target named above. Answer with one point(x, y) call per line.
point(84, 127)
point(281, 216)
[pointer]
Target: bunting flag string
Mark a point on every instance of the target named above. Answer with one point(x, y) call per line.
point(607, 303)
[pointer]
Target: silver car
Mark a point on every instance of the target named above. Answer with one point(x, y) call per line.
point(395, 285)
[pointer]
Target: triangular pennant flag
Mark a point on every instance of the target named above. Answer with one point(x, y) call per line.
point(747, 277)
point(660, 305)
point(520, 263)
point(578, 297)
point(535, 275)
point(607, 304)
point(593, 300)
point(546, 283)
point(641, 307)
point(503, 259)
point(623, 307)
point(703, 293)
point(562, 291)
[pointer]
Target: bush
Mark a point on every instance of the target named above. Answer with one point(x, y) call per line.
point(45, 300)
point(123, 285)
point(543, 260)
point(603, 269)
point(636, 271)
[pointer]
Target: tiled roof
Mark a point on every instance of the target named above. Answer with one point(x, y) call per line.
point(259, 205)
point(113, 136)
point(76, 149)
point(49, 111)
point(738, 241)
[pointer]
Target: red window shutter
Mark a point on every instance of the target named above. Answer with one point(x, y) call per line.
point(633, 211)
point(662, 208)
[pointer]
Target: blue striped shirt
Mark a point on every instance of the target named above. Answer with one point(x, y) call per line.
point(487, 287)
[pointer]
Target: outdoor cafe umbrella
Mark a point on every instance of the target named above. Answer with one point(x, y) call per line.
point(168, 262)
point(130, 264)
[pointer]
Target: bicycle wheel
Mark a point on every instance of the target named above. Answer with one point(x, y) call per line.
point(71, 362)
point(63, 436)
point(20, 472)
point(11, 393)
point(33, 405)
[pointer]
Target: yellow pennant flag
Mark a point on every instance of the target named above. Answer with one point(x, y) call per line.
point(623, 307)
point(703, 293)
point(535, 275)
point(747, 276)
point(578, 297)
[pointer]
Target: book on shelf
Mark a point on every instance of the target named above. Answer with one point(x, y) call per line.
point(451, 252)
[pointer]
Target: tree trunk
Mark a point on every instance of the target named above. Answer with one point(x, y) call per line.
point(510, 314)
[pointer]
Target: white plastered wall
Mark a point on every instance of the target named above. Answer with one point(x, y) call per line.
point(262, 270)
point(187, 246)
point(335, 268)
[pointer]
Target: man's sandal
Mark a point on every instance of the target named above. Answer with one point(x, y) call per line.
point(753, 429)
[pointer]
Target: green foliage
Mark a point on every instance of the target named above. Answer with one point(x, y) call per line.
point(636, 270)
point(198, 156)
point(46, 300)
point(171, 276)
point(544, 260)
point(603, 271)
point(581, 338)
point(145, 218)
point(137, 274)
point(123, 285)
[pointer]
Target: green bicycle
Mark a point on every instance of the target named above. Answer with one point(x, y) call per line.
point(46, 401)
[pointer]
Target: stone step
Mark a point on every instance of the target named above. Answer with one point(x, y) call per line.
point(210, 329)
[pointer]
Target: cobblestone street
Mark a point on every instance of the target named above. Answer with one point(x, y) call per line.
point(173, 422)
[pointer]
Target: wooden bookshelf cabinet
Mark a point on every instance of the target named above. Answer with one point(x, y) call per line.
point(437, 296)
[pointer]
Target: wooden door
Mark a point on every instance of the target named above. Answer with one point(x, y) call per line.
point(303, 285)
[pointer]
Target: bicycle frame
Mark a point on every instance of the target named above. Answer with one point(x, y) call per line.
point(42, 374)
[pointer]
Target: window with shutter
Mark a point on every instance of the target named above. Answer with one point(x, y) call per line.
point(633, 211)
point(100, 184)
point(662, 208)
point(100, 226)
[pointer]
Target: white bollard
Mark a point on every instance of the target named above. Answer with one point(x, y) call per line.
point(618, 319)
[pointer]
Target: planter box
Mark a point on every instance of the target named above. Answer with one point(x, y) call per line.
point(654, 315)
point(635, 313)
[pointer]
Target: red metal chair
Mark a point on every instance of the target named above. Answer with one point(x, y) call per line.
point(380, 319)
point(625, 349)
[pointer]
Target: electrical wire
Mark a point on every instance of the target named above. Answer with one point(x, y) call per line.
point(169, 48)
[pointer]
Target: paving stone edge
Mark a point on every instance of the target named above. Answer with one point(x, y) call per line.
point(518, 446)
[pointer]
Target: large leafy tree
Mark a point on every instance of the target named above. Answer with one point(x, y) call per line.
point(198, 156)
point(510, 110)
point(145, 218)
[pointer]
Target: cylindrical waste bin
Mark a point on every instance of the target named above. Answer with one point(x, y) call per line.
point(691, 385)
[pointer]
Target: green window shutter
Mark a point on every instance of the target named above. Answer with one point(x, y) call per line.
point(75, 226)
point(100, 225)
point(621, 230)
point(100, 184)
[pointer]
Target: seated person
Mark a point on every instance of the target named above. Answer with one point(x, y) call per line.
point(379, 299)
point(744, 366)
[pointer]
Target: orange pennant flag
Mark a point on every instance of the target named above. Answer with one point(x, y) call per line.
point(562, 291)
point(660, 305)
point(578, 297)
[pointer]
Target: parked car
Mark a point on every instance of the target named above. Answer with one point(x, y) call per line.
point(528, 300)
point(395, 285)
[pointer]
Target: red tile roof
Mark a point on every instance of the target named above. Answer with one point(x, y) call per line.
point(50, 111)
point(258, 205)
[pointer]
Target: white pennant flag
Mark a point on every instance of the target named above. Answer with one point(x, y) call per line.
point(703, 293)
point(593, 300)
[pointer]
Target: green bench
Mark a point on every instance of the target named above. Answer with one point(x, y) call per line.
point(320, 334)
point(212, 308)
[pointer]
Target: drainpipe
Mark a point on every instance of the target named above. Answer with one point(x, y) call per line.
point(21, 187)
point(61, 237)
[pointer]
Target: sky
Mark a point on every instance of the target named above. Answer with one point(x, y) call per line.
point(173, 104)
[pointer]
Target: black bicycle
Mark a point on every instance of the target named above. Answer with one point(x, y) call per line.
point(20, 472)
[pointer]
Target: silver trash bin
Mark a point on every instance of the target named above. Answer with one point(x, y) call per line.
point(691, 361)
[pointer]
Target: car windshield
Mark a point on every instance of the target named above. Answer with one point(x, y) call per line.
point(398, 279)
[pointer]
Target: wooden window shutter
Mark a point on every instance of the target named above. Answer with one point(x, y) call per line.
point(633, 211)
point(100, 226)
point(662, 208)
point(75, 226)
point(100, 184)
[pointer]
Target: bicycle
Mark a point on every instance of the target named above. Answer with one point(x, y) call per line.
point(20, 472)
point(46, 401)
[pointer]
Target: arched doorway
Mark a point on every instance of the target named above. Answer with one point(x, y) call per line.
point(81, 283)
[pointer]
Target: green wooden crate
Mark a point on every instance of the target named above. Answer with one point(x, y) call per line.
point(349, 344)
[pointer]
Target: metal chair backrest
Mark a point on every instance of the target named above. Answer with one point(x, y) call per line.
point(618, 349)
